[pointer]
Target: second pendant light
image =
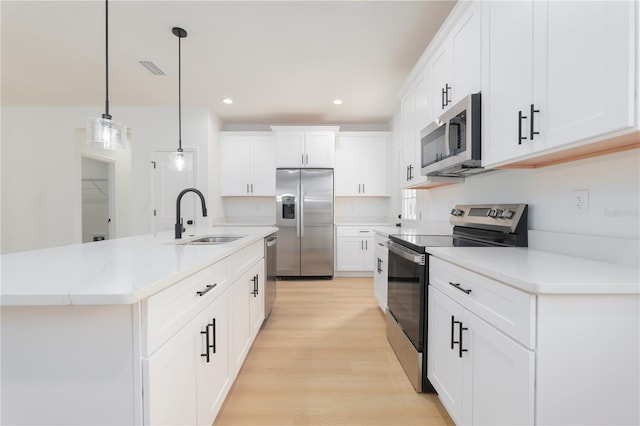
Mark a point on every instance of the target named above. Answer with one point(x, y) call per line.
point(177, 160)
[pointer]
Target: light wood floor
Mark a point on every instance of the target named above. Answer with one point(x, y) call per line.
point(322, 358)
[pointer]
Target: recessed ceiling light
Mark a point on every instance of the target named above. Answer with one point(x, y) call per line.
point(227, 101)
point(337, 101)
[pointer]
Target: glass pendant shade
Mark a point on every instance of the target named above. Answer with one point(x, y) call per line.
point(106, 134)
point(179, 162)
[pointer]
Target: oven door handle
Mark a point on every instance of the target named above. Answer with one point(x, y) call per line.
point(405, 253)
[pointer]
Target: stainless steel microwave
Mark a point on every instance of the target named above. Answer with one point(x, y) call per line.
point(450, 146)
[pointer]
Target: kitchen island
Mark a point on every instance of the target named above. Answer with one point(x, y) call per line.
point(138, 330)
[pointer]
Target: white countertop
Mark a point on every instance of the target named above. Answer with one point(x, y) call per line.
point(119, 271)
point(543, 272)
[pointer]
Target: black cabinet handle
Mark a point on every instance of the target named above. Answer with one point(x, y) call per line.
point(442, 99)
point(447, 101)
point(255, 285)
point(410, 171)
point(213, 328)
point(531, 132)
point(459, 287)
point(209, 288)
point(453, 326)
point(207, 344)
point(520, 118)
point(461, 329)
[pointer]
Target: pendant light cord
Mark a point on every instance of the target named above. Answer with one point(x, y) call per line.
point(106, 54)
point(179, 98)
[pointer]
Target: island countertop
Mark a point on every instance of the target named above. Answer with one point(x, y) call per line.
point(118, 271)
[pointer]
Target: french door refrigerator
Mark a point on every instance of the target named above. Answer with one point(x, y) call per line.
point(304, 216)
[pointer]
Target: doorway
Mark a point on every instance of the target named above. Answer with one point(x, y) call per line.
point(167, 184)
point(97, 200)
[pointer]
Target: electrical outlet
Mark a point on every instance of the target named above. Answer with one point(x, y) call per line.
point(580, 201)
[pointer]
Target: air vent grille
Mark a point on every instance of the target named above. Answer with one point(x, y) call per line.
point(153, 68)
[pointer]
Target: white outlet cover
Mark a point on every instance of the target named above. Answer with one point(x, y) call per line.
point(580, 201)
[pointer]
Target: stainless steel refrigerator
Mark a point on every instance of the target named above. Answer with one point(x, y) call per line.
point(304, 216)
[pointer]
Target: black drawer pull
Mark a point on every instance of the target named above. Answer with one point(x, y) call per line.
point(461, 329)
point(209, 288)
point(459, 287)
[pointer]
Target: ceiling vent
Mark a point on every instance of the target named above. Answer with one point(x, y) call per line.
point(153, 68)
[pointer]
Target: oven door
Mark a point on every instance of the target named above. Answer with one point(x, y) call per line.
point(407, 291)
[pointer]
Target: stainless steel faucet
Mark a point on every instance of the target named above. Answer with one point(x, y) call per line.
point(179, 229)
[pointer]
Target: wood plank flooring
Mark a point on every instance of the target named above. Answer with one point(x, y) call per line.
point(322, 358)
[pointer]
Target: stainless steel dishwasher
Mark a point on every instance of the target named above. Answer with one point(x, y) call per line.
point(271, 266)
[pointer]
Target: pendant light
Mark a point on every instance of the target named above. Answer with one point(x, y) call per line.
point(103, 132)
point(177, 160)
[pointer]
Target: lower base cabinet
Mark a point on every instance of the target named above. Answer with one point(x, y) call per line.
point(355, 249)
point(482, 376)
point(189, 376)
point(380, 278)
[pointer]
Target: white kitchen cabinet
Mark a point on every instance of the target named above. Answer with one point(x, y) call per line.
point(248, 311)
point(247, 164)
point(449, 70)
point(380, 278)
point(361, 164)
point(354, 249)
point(499, 355)
point(196, 362)
point(482, 376)
point(305, 147)
point(555, 74)
point(455, 67)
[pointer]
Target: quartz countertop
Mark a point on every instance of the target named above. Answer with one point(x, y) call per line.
point(118, 271)
point(543, 272)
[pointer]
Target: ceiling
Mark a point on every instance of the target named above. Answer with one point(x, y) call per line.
point(282, 62)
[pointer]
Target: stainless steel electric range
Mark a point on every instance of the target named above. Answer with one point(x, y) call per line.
point(484, 225)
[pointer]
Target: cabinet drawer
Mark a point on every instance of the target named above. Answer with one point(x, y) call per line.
point(171, 309)
point(510, 310)
point(354, 232)
point(381, 242)
point(245, 258)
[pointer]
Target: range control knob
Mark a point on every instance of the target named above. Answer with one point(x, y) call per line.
point(492, 213)
point(498, 213)
point(507, 214)
point(457, 212)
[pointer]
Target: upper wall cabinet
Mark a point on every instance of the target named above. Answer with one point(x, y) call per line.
point(555, 75)
point(447, 71)
point(361, 164)
point(247, 164)
point(305, 147)
point(455, 67)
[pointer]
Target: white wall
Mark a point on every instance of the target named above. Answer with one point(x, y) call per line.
point(613, 182)
point(41, 196)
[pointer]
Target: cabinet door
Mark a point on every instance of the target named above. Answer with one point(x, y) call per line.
point(289, 149)
point(380, 276)
point(235, 169)
point(349, 253)
point(170, 379)
point(256, 299)
point(441, 67)
point(241, 322)
point(375, 157)
point(368, 255)
point(507, 34)
point(584, 69)
point(319, 149)
point(466, 44)
point(444, 365)
point(410, 166)
point(348, 170)
point(499, 377)
point(263, 176)
point(213, 373)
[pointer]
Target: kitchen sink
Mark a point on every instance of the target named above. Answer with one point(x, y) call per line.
point(213, 240)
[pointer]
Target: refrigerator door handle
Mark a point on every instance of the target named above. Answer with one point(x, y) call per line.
point(301, 215)
point(298, 208)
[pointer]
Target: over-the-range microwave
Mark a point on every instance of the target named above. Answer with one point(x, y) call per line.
point(450, 146)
